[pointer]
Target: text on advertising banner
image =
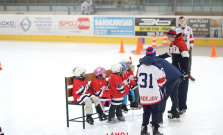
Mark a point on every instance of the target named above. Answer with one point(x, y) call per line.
point(200, 27)
point(113, 25)
point(153, 26)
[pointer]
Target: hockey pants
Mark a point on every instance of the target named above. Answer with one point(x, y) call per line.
point(182, 94)
point(125, 98)
point(172, 91)
point(115, 109)
point(88, 104)
point(147, 111)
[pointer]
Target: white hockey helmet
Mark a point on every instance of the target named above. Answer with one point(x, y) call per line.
point(79, 71)
point(116, 68)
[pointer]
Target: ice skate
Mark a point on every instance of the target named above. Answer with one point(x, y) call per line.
point(183, 111)
point(125, 109)
point(144, 131)
point(103, 117)
point(173, 113)
point(1, 133)
point(112, 120)
point(156, 132)
point(90, 120)
point(121, 118)
point(134, 105)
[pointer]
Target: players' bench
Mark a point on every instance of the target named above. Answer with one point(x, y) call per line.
point(68, 93)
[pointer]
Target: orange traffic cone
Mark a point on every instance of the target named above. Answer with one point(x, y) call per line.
point(154, 42)
point(213, 52)
point(122, 47)
point(0, 66)
point(165, 39)
point(138, 49)
point(140, 43)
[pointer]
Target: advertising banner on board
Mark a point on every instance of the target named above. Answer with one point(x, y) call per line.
point(74, 25)
point(36, 25)
point(8, 25)
point(114, 26)
point(200, 27)
point(147, 26)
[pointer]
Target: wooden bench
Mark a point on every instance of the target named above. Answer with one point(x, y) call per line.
point(68, 93)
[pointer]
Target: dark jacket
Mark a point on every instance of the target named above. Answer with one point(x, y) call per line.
point(151, 60)
point(171, 71)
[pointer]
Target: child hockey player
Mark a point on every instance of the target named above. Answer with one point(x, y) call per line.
point(81, 95)
point(151, 77)
point(99, 86)
point(117, 90)
point(131, 81)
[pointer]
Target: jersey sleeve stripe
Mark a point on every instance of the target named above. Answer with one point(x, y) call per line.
point(81, 90)
point(161, 80)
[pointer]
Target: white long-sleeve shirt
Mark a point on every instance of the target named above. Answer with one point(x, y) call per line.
point(188, 37)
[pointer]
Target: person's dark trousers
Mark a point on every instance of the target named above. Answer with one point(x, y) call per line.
point(154, 110)
point(172, 91)
point(190, 61)
point(115, 109)
point(182, 94)
point(137, 99)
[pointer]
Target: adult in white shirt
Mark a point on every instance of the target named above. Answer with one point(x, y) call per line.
point(188, 38)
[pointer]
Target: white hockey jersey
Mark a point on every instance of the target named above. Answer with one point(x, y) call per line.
point(85, 8)
point(188, 37)
point(150, 79)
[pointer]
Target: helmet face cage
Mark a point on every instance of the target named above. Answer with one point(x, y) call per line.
point(124, 66)
point(127, 61)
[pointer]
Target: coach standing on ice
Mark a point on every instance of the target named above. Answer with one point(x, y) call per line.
point(180, 57)
point(188, 38)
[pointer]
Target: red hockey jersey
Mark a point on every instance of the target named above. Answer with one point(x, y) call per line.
point(131, 78)
point(100, 89)
point(117, 89)
point(80, 90)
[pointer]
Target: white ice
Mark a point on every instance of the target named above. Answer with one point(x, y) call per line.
point(32, 91)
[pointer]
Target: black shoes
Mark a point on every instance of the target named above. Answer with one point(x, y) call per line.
point(173, 113)
point(125, 109)
point(183, 111)
point(144, 131)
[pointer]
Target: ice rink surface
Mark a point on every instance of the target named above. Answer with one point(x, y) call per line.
point(32, 91)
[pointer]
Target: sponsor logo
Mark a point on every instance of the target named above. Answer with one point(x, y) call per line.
point(81, 24)
point(8, 24)
point(26, 24)
point(115, 22)
point(153, 22)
